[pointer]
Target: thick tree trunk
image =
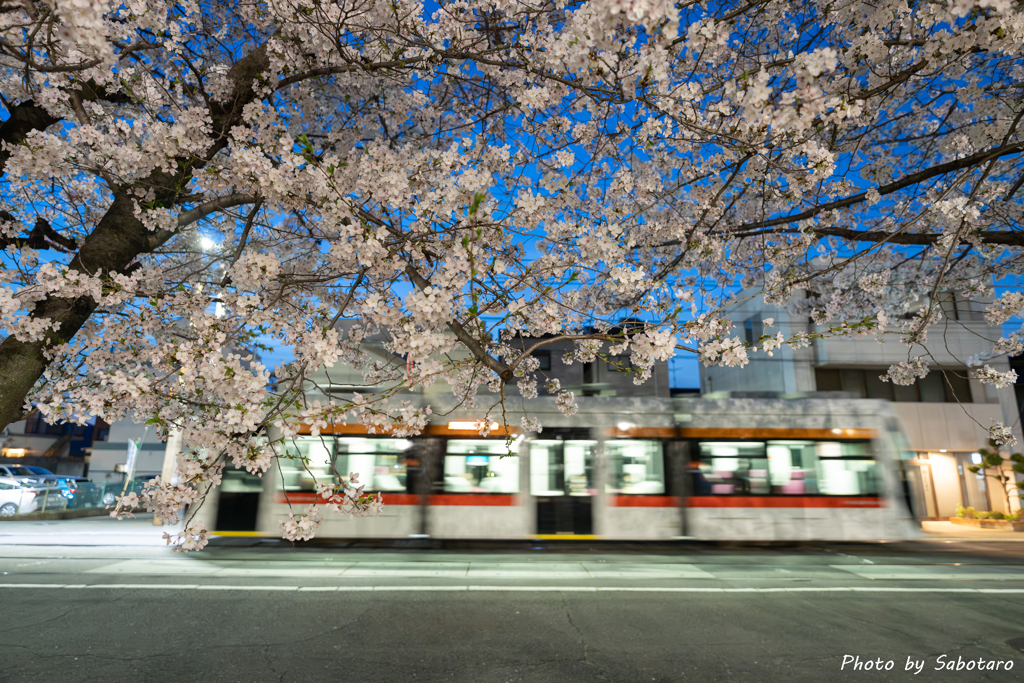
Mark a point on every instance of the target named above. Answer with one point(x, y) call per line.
point(118, 239)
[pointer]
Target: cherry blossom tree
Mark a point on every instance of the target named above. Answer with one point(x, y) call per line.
point(184, 179)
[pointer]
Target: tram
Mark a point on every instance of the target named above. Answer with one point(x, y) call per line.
point(619, 469)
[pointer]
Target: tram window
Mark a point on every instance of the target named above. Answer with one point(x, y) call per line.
point(793, 467)
point(561, 467)
point(478, 466)
point(831, 468)
point(846, 468)
point(847, 477)
point(636, 467)
point(785, 468)
point(380, 463)
point(844, 449)
point(731, 468)
point(307, 461)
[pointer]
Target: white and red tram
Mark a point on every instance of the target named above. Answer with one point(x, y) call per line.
point(620, 469)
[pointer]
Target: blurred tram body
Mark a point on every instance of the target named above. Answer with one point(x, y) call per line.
point(622, 469)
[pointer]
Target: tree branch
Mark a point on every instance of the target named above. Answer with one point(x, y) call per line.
point(503, 371)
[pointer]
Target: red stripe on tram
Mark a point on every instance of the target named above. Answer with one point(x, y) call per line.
point(480, 499)
point(644, 501)
point(785, 502)
point(308, 498)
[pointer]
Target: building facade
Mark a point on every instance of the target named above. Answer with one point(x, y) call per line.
point(61, 448)
point(945, 415)
point(109, 457)
point(608, 376)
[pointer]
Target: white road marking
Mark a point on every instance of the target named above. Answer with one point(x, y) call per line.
point(507, 589)
point(935, 572)
point(406, 570)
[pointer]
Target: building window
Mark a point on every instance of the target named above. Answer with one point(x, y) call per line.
point(935, 387)
point(480, 466)
point(544, 358)
point(621, 364)
point(37, 425)
point(635, 467)
point(753, 330)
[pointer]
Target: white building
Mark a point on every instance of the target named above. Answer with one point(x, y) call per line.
point(945, 415)
point(111, 455)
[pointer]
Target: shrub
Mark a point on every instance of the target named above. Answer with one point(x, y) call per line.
point(969, 513)
point(996, 515)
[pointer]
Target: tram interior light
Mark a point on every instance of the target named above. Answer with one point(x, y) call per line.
point(626, 426)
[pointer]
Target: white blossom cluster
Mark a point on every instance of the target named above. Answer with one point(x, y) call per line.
point(729, 352)
point(302, 527)
point(989, 375)
point(1004, 308)
point(907, 372)
point(195, 536)
point(1002, 435)
point(566, 403)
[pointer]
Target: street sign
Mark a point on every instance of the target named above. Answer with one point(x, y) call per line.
point(133, 454)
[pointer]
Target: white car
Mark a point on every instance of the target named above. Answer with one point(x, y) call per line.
point(16, 498)
point(18, 473)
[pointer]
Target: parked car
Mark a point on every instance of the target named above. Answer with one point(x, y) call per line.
point(18, 472)
point(23, 496)
point(68, 487)
point(111, 491)
point(15, 497)
point(50, 495)
point(34, 475)
point(84, 493)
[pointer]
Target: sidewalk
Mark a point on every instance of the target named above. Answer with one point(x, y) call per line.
point(140, 531)
point(96, 531)
point(947, 531)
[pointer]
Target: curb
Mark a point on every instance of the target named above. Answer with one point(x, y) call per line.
point(1000, 524)
point(57, 514)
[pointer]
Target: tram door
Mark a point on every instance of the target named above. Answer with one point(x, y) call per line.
point(239, 501)
point(914, 489)
point(562, 482)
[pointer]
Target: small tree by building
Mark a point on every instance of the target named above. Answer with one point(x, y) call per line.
point(992, 458)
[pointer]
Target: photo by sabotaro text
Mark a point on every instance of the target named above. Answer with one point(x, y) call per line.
point(916, 666)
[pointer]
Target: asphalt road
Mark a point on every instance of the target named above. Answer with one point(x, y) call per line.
point(268, 612)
